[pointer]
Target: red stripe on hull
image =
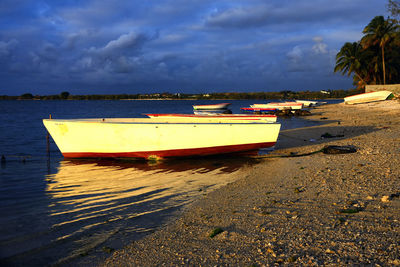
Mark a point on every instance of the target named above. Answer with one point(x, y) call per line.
point(174, 152)
point(264, 109)
point(247, 117)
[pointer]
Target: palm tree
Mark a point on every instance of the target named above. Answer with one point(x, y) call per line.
point(380, 32)
point(394, 7)
point(349, 60)
point(392, 62)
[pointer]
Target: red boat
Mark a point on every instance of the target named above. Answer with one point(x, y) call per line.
point(224, 117)
point(261, 110)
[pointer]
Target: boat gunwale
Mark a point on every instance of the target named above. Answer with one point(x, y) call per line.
point(226, 116)
point(250, 108)
point(100, 121)
point(279, 104)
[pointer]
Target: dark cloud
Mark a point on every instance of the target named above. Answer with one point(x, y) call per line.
point(240, 17)
point(6, 48)
point(287, 13)
point(185, 45)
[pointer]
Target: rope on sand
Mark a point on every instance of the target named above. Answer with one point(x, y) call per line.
point(326, 150)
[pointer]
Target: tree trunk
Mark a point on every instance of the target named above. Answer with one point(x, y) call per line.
point(383, 65)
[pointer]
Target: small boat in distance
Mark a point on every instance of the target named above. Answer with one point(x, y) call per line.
point(259, 110)
point(279, 105)
point(212, 111)
point(308, 103)
point(368, 97)
point(215, 117)
point(154, 138)
point(211, 106)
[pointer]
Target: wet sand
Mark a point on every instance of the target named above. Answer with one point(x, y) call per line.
point(316, 209)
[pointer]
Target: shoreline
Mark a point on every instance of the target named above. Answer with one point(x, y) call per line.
point(318, 209)
point(169, 99)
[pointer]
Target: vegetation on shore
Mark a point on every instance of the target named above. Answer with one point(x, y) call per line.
point(375, 59)
point(180, 96)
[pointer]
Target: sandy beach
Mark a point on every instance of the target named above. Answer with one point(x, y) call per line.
point(313, 209)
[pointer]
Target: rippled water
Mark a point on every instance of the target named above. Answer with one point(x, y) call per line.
point(87, 205)
point(76, 212)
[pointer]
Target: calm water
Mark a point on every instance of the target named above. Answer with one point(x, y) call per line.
point(56, 211)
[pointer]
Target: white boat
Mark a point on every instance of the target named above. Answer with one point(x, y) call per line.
point(212, 111)
point(279, 105)
point(154, 138)
point(367, 97)
point(211, 106)
point(214, 117)
point(308, 103)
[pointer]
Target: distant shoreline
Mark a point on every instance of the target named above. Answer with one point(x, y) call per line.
point(167, 99)
point(317, 95)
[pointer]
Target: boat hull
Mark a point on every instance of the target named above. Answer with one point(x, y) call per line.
point(211, 106)
point(113, 138)
point(367, 97)
point(173, 153)
point(280, 106)
point(308, 103)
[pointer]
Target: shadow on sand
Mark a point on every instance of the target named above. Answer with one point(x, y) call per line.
point(300, 137)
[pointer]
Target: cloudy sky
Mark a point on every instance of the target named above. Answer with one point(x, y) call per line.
point(189, 46)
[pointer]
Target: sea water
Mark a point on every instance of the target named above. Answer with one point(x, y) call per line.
point(56, 211)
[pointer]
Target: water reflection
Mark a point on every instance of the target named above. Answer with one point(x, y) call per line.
point(225, 164)
point(95, 204)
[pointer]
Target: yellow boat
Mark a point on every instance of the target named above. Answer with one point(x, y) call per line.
point(158, 137)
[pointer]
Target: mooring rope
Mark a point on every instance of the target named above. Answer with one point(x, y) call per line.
point(291, 155)
point(332, 149)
